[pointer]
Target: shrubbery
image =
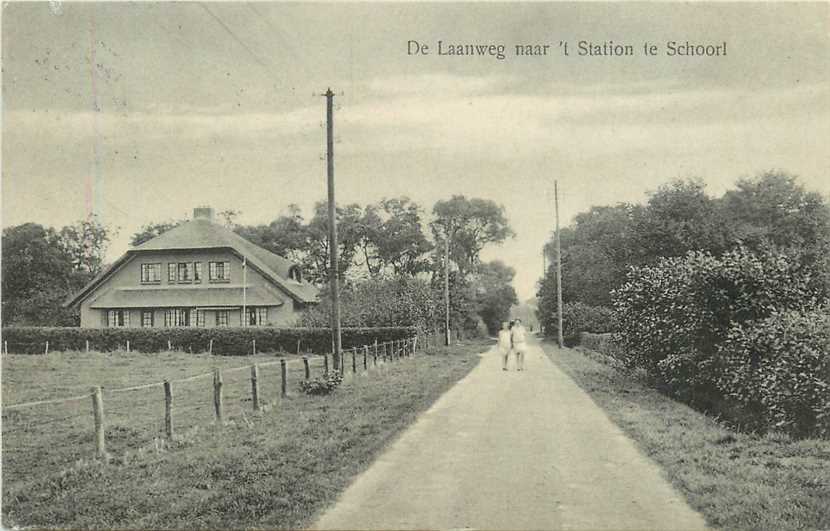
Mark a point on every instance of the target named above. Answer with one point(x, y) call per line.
point(701, 325)
point(578, 317)
point(235, 341)
point(322, 385)
point(778, 371)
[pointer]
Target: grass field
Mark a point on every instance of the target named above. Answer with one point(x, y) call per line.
point(736, 480)
point(271, 469)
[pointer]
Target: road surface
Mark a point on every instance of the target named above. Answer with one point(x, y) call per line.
point(512, 450)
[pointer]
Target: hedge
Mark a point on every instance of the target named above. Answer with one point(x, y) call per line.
point(578, 317)
point(602, 343)
point(233, 341)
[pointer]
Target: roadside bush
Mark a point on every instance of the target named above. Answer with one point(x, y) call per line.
point(322, 385)
point(579, 317)
point(778, 370)
point(602, 343)
point(675, 317)
point(234, 341)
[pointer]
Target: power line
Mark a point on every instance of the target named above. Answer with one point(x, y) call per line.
point(234, 36)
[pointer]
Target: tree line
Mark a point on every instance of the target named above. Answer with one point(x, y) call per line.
point(768, 212)
point(385, 247)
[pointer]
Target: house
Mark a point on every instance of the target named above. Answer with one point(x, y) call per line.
point(196, 274)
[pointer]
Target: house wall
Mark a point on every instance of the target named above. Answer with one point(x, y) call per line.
point(129, 275)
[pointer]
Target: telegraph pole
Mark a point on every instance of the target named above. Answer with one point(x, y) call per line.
point(447, 336)
point(333, 281)
point(559, 339)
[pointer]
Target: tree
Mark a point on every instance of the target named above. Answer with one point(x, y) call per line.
point(392, 239)
point(286, 236)
point(470, 224)
point(38, 274)
point(349, 234)
point(86, 242)
point(494, 293)
point(151, 230)
point(678, 218)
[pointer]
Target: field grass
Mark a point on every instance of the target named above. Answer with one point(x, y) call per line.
point(275, 468)
point(736, 480)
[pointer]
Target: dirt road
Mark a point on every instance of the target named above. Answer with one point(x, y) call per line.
point(512, 450)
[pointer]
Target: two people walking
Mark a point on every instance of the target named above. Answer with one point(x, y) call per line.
point(512, 339)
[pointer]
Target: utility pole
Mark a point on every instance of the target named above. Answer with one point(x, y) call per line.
point(560, 340)
point(333, 281)
point(447, 335)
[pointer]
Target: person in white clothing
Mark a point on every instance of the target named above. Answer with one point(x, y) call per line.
point(519, 344)
point(504, 344)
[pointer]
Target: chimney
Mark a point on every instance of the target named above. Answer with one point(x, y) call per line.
point(203, 212)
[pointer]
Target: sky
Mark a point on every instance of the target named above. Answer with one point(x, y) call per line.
point(139, 112)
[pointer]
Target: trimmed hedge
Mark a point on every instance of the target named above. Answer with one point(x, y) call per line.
point(235, 341)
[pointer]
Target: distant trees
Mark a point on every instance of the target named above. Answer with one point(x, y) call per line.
point(42, 266)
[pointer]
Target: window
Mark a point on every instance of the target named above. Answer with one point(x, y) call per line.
point(197, 271)
point(200, 317)
point(185, 271)
point(150, 273)
point(222, 317)
point(177, 317)
point(171, 272)
point(219, 271)
point(257, 316)
point(118, 318)
point(147, 318)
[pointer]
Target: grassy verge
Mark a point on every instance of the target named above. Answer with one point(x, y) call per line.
point(736, 480)
point(276, 468)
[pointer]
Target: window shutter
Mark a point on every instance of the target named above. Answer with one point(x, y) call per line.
point(227, 272)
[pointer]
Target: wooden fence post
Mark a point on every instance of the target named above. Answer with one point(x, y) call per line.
point(5, 347)
point(168, 409)
point(299, 342)
point(306, 367)
point(98, 413)
point(47, 349)
point(169, 345)
point(253, 349)
point(375, 354)
point(365, 358)
point(87, 346)
point(325, 364)
point(255, 386)
point(210, 347)
point(217, 396)
point(283, 370)
point(128, 345)
point(354, 361)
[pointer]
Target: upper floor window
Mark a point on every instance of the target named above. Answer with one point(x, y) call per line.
point(295, 274)
point(219, 271)
point(118, 318)
point(185, 271)
point(171, 272)
point(150, 273)
point(197, 271)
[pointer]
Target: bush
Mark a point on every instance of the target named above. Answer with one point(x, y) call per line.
point(677, 316)
point(579, 317)
point(322, 385)
point(234, 341)
point(602, 343)
point(778, 370)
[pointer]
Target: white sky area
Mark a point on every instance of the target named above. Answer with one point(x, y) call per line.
point(139, 112)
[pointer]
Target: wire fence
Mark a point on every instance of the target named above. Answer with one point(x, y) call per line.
point(112, 422)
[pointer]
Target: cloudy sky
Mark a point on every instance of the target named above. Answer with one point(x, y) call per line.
point(139, 112)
